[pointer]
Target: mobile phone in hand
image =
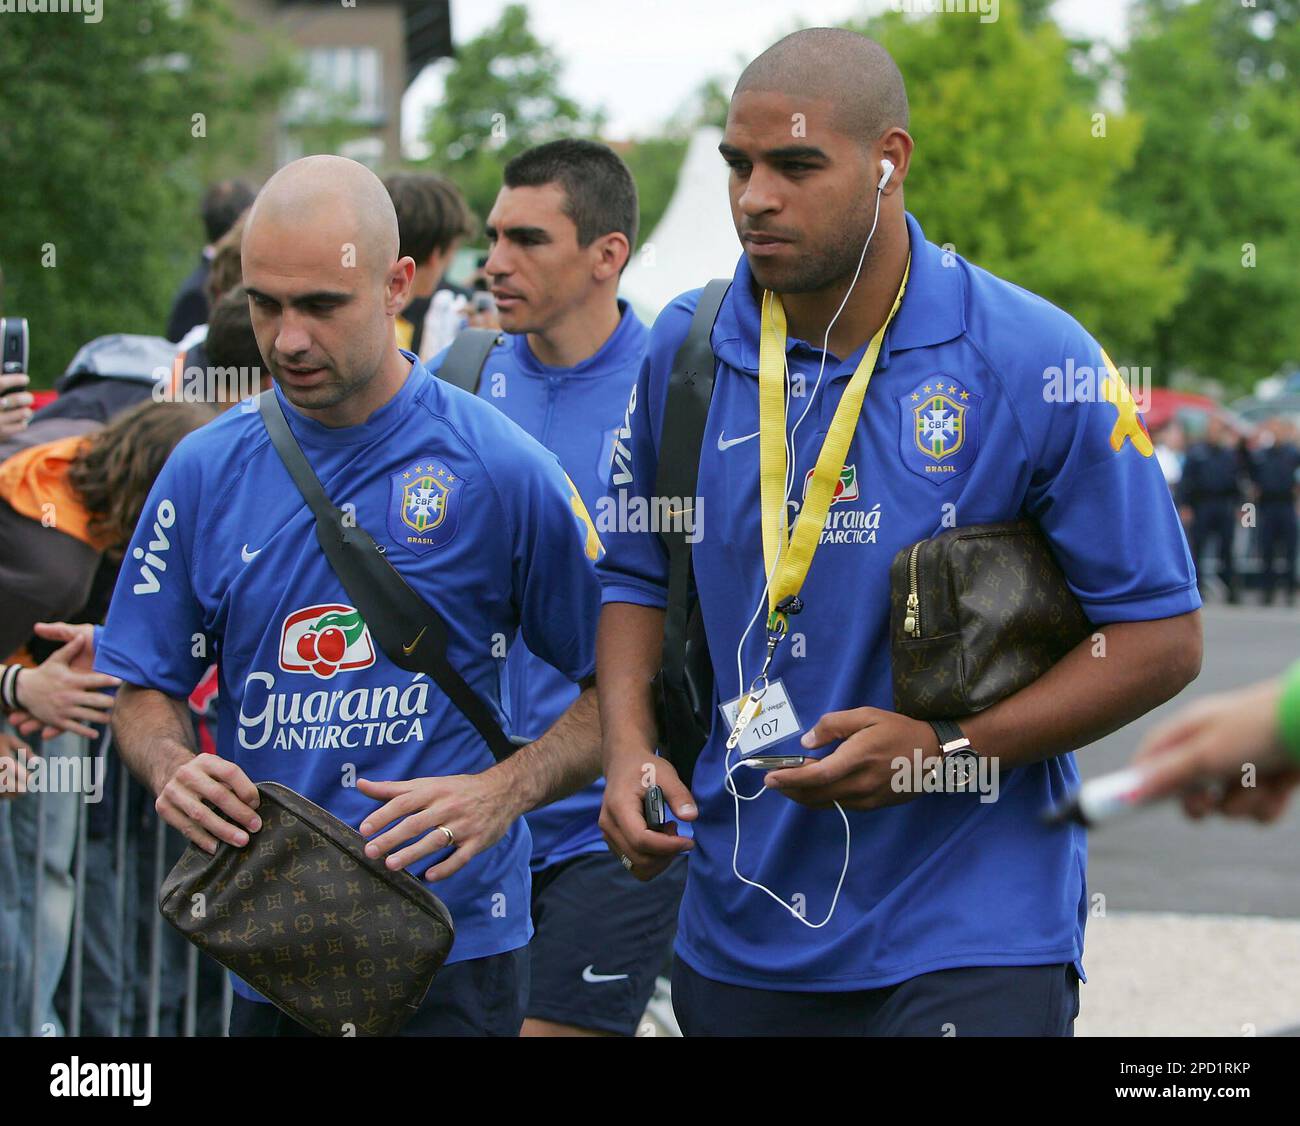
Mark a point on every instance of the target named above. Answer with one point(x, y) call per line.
point(774, 762)
point(656, 808)
point(13, 345)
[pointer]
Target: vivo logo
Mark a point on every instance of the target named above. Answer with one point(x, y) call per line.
point(622, 458)
point(153, 560)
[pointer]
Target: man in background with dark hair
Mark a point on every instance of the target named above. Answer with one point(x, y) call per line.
point(562, 231)
point(433, 220)
point(223, 203)
point(231, 342)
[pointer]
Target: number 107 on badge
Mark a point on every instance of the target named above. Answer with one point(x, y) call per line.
point(774, 721)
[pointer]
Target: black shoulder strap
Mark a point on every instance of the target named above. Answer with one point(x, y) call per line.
point(408, 629)
point(463, 366)
point(690, 389)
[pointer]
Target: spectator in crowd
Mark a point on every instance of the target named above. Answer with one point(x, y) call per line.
point(15, 400)
point(68, 508)
point(1235, 753)
point(223, 203)
point(1209, 496)
point(433, 219)
point(231, 342)
point(226, 365)
point(1275, 473)
point(108, 375)
point(225, 274)
point(1170, 444)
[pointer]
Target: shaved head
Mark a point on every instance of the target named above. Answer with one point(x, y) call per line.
point(853, 74)
point(811, 123)
point(338, 192)
point(325, 284)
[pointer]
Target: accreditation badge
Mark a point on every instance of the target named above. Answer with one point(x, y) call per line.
point(776, 719)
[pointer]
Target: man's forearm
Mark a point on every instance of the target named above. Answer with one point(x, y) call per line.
point(629, 647)
point(561, 762)
point(154, 734)
point(1099, 686)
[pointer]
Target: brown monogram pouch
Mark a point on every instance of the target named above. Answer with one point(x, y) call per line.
point(330, 936)
point(976, 614)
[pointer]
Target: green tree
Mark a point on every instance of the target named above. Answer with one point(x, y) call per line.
point(502, 95)
point(1018, 174)
point(103, 157)
point(655, 163)
point(1219, 170)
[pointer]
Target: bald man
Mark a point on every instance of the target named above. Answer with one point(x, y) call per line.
point(478, 518)
point(833, 887)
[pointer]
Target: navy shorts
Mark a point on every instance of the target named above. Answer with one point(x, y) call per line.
point(602, 937)
point(477, 997)
point(970, 1001)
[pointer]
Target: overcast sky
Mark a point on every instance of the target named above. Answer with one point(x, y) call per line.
point(641, 59)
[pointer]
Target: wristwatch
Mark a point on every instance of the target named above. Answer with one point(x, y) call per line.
point(954, 747)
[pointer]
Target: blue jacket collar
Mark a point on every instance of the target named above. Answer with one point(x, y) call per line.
point(932, 313)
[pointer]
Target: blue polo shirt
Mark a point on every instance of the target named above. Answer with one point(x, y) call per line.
point(962, 425)
point(575, 413)
point(225, 563)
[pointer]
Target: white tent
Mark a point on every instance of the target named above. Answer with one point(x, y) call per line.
point(695, 240)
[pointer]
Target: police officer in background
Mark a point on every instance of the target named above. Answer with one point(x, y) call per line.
point(1209, 495)
point(1275, 471)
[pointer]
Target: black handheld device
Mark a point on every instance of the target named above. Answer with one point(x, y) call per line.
point(13, 345)
point(655, 808)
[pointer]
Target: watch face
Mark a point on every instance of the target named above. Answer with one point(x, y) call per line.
point(962, 767)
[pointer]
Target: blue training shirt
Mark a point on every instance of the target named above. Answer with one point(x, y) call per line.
point(479, 519)
point(962, 425)
point(575, 413)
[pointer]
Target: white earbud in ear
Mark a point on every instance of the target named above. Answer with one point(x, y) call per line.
point(887, 170)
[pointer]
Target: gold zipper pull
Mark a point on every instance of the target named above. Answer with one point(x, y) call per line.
point(909, 622)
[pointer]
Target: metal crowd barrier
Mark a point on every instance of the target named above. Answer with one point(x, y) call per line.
point(124, 921)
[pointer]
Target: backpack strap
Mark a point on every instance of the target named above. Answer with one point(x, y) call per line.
point(690, 390)
point(463, 366)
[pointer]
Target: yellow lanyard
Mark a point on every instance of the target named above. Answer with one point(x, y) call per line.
point(796, 551)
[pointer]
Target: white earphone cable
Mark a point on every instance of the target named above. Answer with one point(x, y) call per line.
point(730, 767)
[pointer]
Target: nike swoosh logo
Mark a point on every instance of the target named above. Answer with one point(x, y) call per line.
point(409, 649)
point(595, 978)
point(725, 443)
point(249, 556)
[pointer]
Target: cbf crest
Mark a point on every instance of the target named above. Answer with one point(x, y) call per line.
point(424, 507)
point(939, 428)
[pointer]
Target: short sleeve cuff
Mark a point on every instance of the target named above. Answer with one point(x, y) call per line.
point(131, 673)
point(638, 594)
point(1144, 607)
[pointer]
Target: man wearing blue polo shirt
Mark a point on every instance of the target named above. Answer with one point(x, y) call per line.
point(562, 230)
point(819, 899)
point(478, 518)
